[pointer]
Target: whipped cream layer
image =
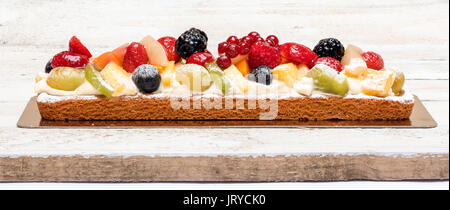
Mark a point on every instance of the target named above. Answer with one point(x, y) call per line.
point(277, 89)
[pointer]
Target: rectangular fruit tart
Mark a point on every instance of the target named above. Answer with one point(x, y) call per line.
point(251, 79)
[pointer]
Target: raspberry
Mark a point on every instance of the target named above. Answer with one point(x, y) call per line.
point(135, 56)
point(233, 40)
point(329, 61)
point(223, 62)
point(298, 53)
point(272, 40)
point(373, 60)
point(261, 53)
point(200, 58)
point(76, 46)
point(232, 51)
point(69, 59)
point(169, 45)
point(223, 47)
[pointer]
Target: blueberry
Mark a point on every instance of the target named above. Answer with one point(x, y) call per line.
point(147, 78)
point(261, 74)
point(48, 66)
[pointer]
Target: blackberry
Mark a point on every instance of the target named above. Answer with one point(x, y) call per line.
point(261, 74)
point(190, 42)
point(330, 47)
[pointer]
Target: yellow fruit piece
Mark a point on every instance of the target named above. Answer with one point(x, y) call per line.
point(302, 70)
point(377, 83)
point(356, 69)
point(118, 79)
point(114, 75)
point(39, 76)
point(235, 76)
point(160, 68)
point(354, 65)
point(288, 73)
point(167, 75)
point(243, 67)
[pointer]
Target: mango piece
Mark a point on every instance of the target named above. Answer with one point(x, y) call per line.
point(167, 73)
point(243, 67)
point(377, 83)
point(288, 73)
point(353, 63)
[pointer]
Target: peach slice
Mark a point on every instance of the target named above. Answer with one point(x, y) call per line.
point(155, 51)
point(120, 52)
point(106, 58)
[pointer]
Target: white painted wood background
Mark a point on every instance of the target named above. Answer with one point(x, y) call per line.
point(411, 35)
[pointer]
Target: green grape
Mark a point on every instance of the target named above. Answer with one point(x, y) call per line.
point(65, 78)
point(194, 76)
point(399, 81)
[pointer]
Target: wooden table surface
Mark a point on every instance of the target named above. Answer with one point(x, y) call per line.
point(410, 35)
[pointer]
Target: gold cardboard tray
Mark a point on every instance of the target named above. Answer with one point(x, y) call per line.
point(420, 118)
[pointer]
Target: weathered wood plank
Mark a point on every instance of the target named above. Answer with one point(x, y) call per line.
point(224, 168)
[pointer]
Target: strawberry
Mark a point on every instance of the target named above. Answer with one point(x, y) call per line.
point(76, 46)
point(298, 53)
point(200, 58)
point(261, 53)
point(169, 45)
point(69, 59)
point(329, 61)
point(135, 56)
point(373, 60)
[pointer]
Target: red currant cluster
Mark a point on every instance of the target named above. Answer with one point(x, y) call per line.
point(233, 47)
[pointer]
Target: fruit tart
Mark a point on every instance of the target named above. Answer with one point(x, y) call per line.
point(252, 78)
